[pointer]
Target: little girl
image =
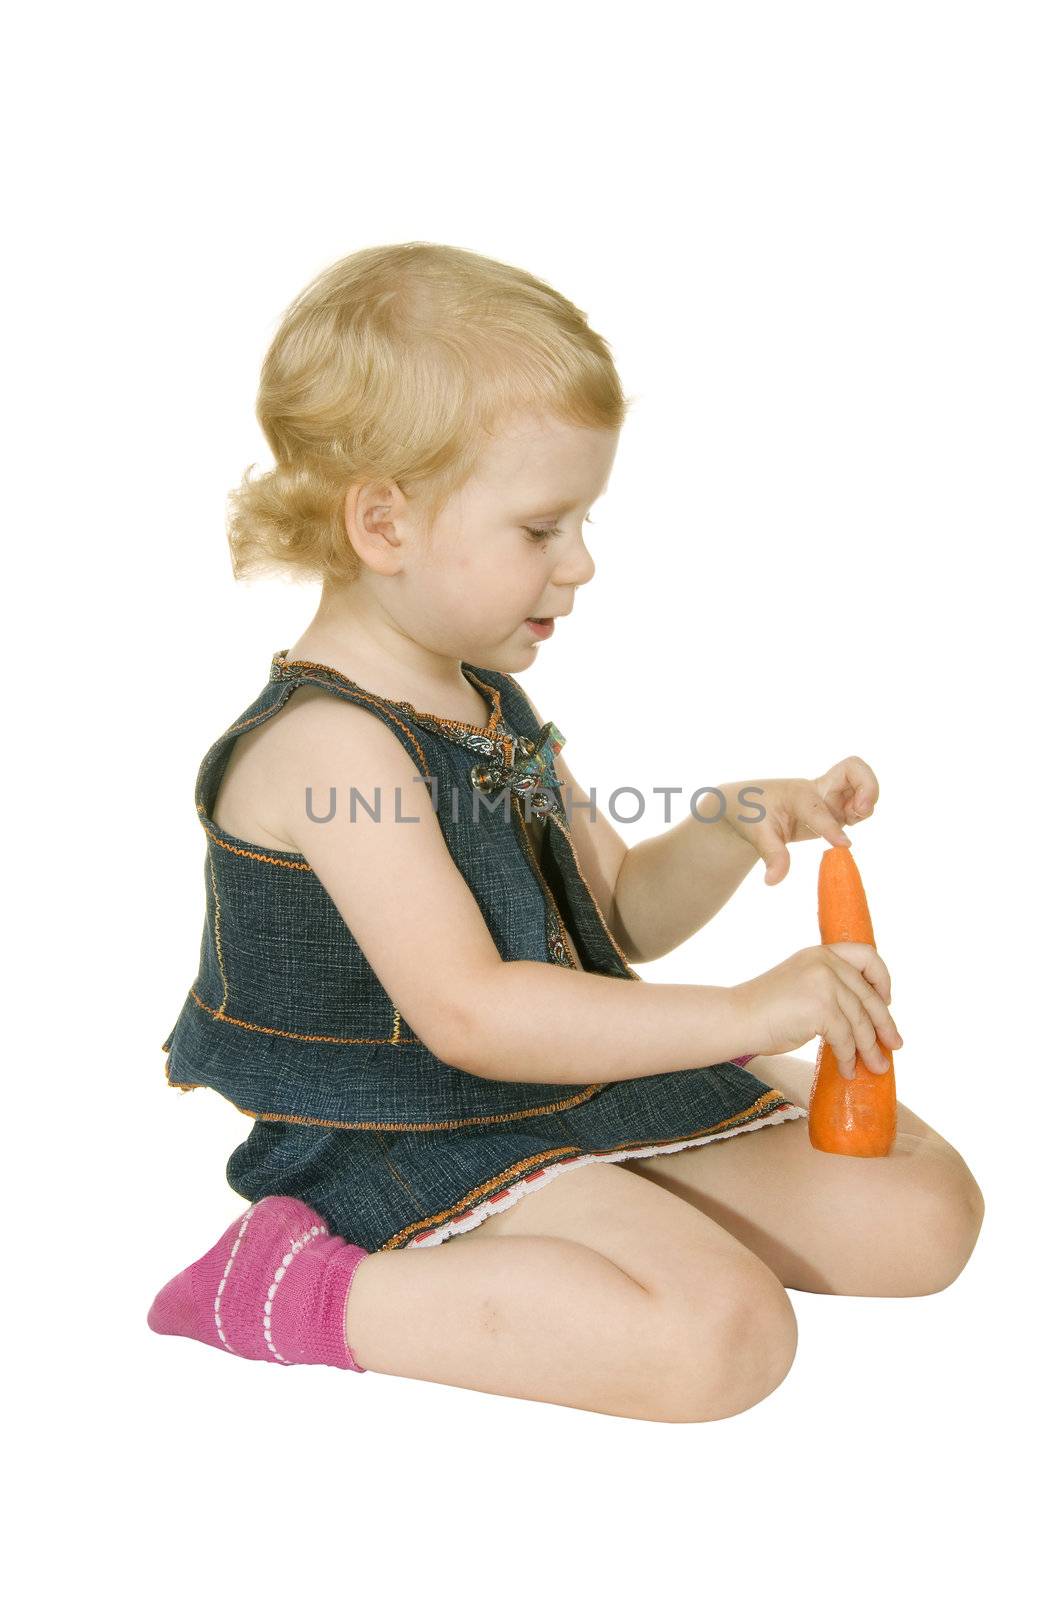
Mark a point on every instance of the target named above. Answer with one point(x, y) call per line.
point(415, 972)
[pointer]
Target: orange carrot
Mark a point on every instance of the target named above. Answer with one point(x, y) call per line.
point(849, 1116)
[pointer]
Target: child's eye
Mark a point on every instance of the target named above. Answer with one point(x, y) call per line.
point(540, 535)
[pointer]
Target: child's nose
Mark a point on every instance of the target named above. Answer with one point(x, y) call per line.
point(575, 567)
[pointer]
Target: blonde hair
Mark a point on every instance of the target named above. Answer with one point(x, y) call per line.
point(396, 363)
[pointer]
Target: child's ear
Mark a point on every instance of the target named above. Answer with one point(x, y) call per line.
point(372, 518)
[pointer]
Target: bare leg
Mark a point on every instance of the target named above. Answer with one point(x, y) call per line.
point(600, 1291)
point(902, 1224)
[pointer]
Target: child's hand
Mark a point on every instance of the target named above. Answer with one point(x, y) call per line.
point(839, 991)
point(799, 809)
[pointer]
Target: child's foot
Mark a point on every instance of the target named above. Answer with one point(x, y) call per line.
point(273, 1288)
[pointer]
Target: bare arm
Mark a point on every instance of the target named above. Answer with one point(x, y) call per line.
point(420, 927)
point(655, 894)
point(541, 1024)
point(673, 884)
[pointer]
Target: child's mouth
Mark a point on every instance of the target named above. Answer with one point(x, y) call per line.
point(542, 627)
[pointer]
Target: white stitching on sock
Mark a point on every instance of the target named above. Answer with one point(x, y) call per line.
point(228, 1267)
point(297, 1245)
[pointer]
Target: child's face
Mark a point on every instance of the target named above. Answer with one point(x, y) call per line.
point(509, 545)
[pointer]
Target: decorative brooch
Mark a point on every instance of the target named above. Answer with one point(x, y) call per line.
point(525, 766)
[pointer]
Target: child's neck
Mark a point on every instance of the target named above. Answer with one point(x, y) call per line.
point(393, 677)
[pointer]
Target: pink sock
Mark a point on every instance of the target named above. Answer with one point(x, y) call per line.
point(273, 1288)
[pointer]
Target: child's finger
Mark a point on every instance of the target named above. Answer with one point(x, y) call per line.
point(819, 818)
point(776, 862)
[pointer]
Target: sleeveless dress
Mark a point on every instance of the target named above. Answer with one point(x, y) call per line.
point(352, 1113)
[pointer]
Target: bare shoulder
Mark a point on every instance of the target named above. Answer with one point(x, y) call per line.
point(263, 771)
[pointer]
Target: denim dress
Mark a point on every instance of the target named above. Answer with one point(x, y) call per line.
point(351, 1111)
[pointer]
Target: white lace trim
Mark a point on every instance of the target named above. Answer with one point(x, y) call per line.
point(516, 1191)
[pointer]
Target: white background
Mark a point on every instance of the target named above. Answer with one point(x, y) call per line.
point(823, 242)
